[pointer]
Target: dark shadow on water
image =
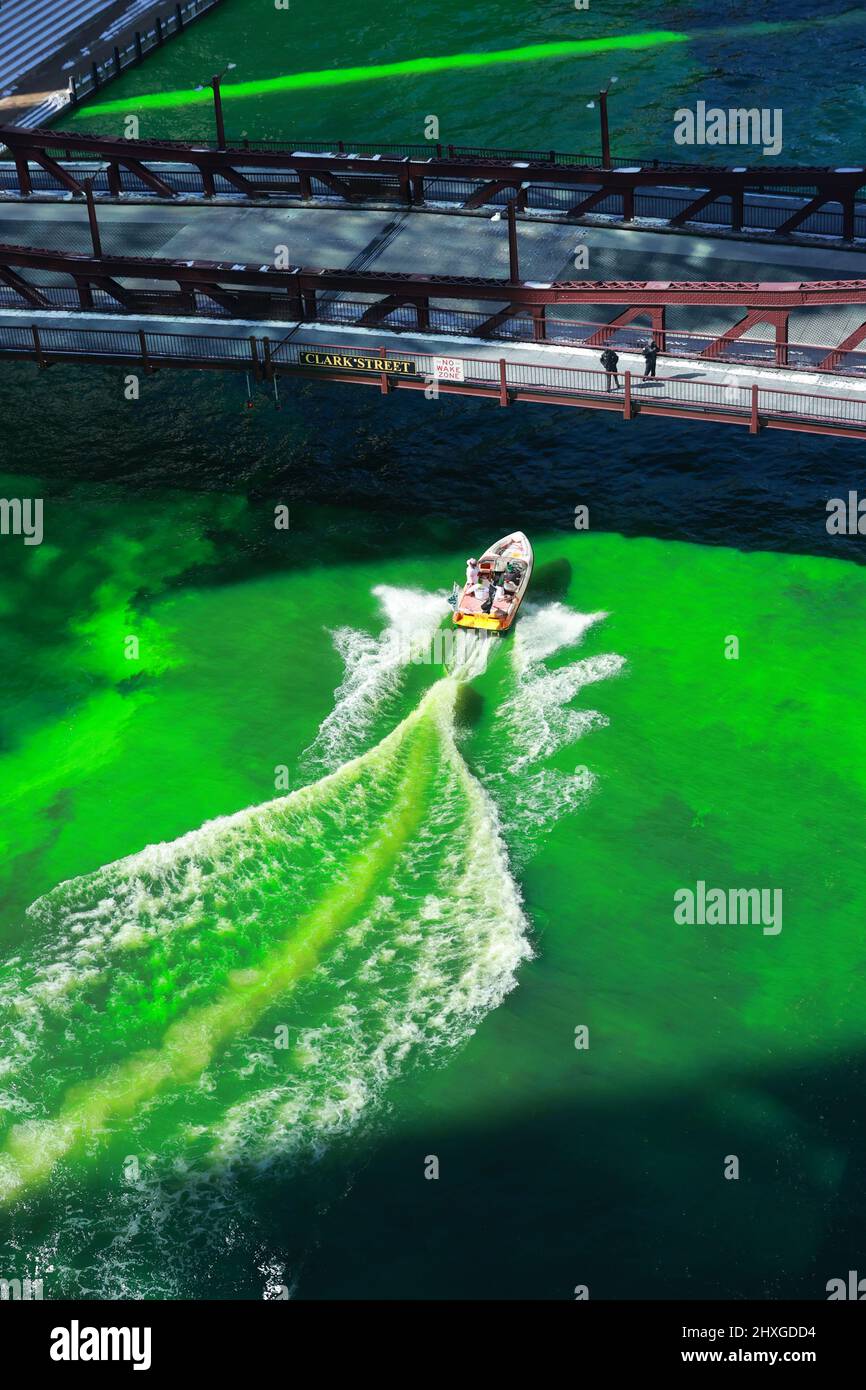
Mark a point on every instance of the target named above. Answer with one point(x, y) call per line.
point(468, 706)
point(628, 1197)
point(401, 467)
point(553, 580)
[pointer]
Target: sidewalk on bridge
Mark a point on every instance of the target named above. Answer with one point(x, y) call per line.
point(676, 374)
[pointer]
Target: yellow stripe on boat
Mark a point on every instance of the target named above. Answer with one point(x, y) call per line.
point(477, 620)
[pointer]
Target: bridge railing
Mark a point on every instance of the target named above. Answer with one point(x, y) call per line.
point(764, 214)
point(489, 376)
point(575, 332)
point(839, 409)
point(427, 150)
point(820, 202)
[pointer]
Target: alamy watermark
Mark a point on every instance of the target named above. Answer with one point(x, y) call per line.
point(851, 1288)
point(712, 125)
point(720, 907)
point(22, 516)
point(846, 516)
point(77, 1343)
point(444, 647)
point(20, 1290)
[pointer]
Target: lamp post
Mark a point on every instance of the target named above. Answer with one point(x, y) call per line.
point(513, 256)
point(513, 250)
point(95, 238)
point(218, 102)
point(602, 115)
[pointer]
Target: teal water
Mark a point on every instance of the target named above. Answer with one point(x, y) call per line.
point(292, 904)
point(730, 54)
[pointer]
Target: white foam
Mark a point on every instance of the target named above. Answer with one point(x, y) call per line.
point(537, 720)
point(458, 967)
point(542, 631)
point(373, 668)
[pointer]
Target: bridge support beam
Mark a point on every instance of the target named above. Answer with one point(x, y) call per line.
point(375, 314)
point(226, 299)
point(149, 178)
point(689, 212)
point(778, 318)
point(37, 346)
point(254, 354)
point(485, 174)
point(487, 191)
point(22, 170)
point(85, 293)
point(492, 323)
point(589, 202)
point(656, 316)
point(240, 182)
point(832, 360)
point(30, 293)
point(145, 361)
point(128, 298)
point(513, 249)
point(57, 171)
point(338, 186)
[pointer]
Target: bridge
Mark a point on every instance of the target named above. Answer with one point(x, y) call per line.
point(454, 266)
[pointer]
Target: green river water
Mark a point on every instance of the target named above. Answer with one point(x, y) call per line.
point(295, 897)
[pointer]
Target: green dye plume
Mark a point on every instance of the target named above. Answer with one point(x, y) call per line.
point(411, 67)
point(165, 970)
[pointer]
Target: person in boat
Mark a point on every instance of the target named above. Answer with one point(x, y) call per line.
point(501, 597)
point(471, 572)
point(491, 595)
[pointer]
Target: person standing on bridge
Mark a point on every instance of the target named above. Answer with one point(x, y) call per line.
point(610, 362)
point(650, 353)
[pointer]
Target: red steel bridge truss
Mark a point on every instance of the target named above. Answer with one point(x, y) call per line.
point(820, 201)
point(781, 202)
point(428, 304)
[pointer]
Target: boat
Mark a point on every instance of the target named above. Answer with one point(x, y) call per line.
point(507, 564)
